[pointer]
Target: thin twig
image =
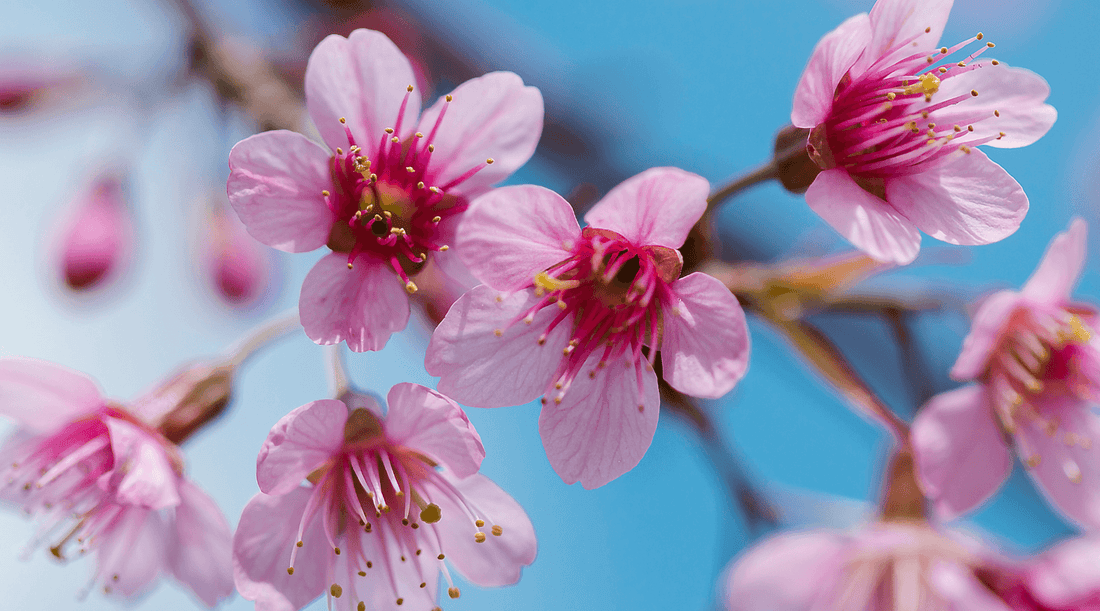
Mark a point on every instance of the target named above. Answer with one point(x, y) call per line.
point(262, 335)
point(766, 172)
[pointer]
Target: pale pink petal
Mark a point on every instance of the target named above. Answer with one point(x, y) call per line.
point(600, 430)
point(895, 21)
point(142, 474)
point(363, 78)
point(201, 553)
point(362, 306)
point(265, 536)
point(390, 578)
point(275, 184)
point(1067, 574)
point(131, 553)
point(985, 334)
point(1017, 95)
point(791, 572)
point(960, 589)
point(1058, 272)
point(832, 57)
point(512, 233)
point(299, 443)
point(969, 200)
point(866, 221)
point(1067, 473)
point(480, 368)
point(705, 342)
point(43, 396)
point(424, 420)
point(960, 452)
point(489, 117)
point(655, 208)
point(499, 560)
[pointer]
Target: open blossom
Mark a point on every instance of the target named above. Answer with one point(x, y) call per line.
point(389, 497)
point(103, 481)
point(908, 565)
point(387, 193)
point(1037, 364)
point(896, 120)
point(579, 315)
point(97, 239)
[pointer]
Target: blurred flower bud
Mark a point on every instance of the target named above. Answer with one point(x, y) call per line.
point(188, 400)
point(98, 236)
point(795, 167)
point(236, 264)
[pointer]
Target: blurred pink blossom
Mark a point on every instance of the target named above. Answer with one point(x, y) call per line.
point(909, 566)
point(101, 480)
point(388, 498)
point(394, 189)
point(98, 236)
point(579, 315)
point(1037, 364)
point(237, 266)
point(895, 121)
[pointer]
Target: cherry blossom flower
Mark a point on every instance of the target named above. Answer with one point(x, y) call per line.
point(98, 237)
point(895, 565)
point(578, 315)
point(1037, 364)
point(99, 479)
point(389, 498)
point(896, 121)
point(387, 193)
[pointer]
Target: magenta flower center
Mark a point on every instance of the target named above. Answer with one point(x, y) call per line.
point(883, 122)
point(375, 488)
point(388, 208)
point(613, 292)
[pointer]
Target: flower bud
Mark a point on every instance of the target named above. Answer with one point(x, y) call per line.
point(236, 265)
point(187, 401)
point(796, 169)
point(98, 237)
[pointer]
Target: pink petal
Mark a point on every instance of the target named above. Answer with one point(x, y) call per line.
point(299, 443)
point(275, 184)
point(1058, 272)
point(787, 573)
point(985, 334)
point(390, 578)
point(1068, 474)
point(362, 306)
point(512, 233)
point(266, 534)
point(868, 222)
point(133, 550)
point(142, 474)
point(832, 57)
point(705, 342)
point(499, 560)
point(969, 200)
point(1017, 95)
point(43, 396)
point(961, 590)
point(960, 451)
point(363, 78)
point(201, 554)
point(895, 21)
point(490, 117)
point(1067, 574)
point(424, 420)
point(598, 432)
point(655, 208)
point(479, 368)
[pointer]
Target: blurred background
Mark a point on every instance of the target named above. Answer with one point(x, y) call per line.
point(118, 116)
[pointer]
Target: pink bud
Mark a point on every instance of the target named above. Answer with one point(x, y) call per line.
point(237, 265)
point(98, 236)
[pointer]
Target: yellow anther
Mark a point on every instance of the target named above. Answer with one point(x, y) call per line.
point(444, 248)
point(410, 169)
point(419, 135)
point(436, 219)
point(479, 537)
point(300, 543)
point(409, 89)
point(450, 98)
point(400, 600)
point(362, 573)
point(395, 140)
point(335, 590)
point(339, 151)
point(479, 523)
point(990, 45)
point(943, 70)
point(389, 130)
point(943, 50)
point(431, 148)
point(325, 193)
point(490, 161)
point(891, 95)
point(974, 92)
point(337, 550)
point(1081, 333)
point(410, 288)
point(453, 592)
point(362, 606)
point(289, 570)
point(343, 120)
point(420, 185)
point(995, 63)
point(498, 332)
point(996, 113)
point(546, 282)
point(440, 556)
point(497, 531)
point(980, 36)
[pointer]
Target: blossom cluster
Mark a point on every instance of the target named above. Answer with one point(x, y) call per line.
point(370, 503)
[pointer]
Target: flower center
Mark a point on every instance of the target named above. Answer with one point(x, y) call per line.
point(884, 121)
point(387, 207)
point(369, 490)
point(614, 292)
